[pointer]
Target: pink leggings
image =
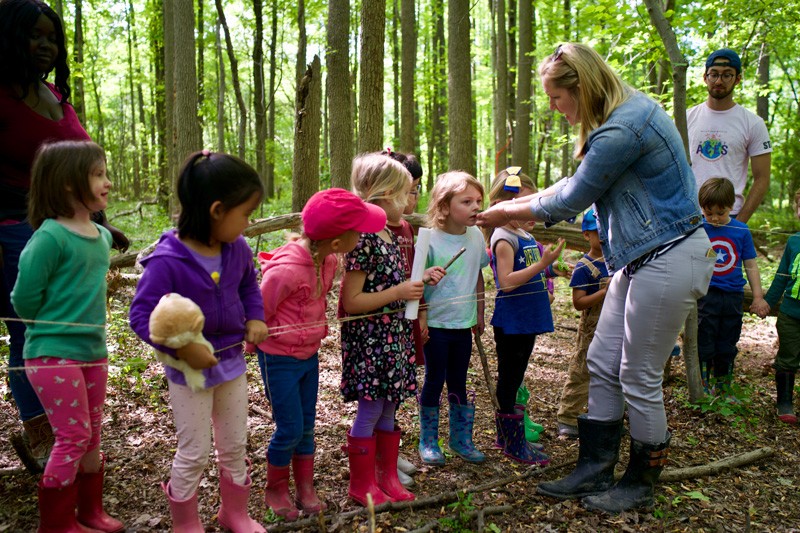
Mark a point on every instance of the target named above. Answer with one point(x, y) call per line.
point(72, 394)
point(224, 407)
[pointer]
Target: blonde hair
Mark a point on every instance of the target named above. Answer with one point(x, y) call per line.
point(60, 174)
point(379, 177)
point(498, 193)
point(447, 186)
point(597, 89)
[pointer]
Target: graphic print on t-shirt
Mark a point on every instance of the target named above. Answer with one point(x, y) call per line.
point(727, 256)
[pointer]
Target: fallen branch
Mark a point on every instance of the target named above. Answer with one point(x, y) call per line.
point(430, 501)
point(137, 209)
point(716, 467)
point(478, 513)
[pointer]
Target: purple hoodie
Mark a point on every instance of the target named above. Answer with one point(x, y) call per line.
point(227, 306)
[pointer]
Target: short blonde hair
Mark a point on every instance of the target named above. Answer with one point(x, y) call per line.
point(448, 185)
point(497, 192)
point(597, 89)
point(379, 177)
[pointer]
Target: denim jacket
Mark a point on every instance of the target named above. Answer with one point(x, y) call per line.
point(636, 173)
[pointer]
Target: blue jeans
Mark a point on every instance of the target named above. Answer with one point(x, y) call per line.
point(13, 239)
point(640, 320)
point(447, 355)
point(291, 387)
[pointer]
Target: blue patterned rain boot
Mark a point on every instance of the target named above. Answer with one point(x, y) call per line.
point(429, 450)
point(462, 418)
point(515, 445)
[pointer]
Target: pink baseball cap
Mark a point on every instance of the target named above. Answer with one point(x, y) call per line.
point(331, 212)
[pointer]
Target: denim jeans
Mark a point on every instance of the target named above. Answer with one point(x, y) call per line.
point(13, 238)
point(640, 320)
point(447, 355)
point(291, 386)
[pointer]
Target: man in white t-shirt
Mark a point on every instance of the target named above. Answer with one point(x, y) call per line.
point(723, 136)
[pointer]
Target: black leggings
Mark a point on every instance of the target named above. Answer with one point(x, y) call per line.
point(513, 354)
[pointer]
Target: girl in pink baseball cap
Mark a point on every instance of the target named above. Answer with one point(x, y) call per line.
point(295, 281)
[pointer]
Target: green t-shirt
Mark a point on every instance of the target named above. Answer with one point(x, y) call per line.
point(62, 279)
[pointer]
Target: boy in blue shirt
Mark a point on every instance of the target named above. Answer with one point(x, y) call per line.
point(719, 313)
point(589, 281)
point(787, 360)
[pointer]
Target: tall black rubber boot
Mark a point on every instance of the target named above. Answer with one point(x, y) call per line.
point(635, 489)
point(598, 453)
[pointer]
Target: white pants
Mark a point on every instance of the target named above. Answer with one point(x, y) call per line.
point(224, 407)
point(640, 321)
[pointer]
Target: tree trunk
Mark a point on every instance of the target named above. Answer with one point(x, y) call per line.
point(408, 122)
point(459, 88)
point(437, 158)
point(501, 90)
point(221, 88)
point(259, 98)
point(370, 94)
point(158, 132)
point(522, 108)
point(201, 60)
point(273, 45)
point(169, 108)
point(340, 117)
point(302, 40)
point(133, 146)
point(186, 121)
point(305, 176)
point(762, 99)
point(395, 75)
point(237, 88)
point(78, 98)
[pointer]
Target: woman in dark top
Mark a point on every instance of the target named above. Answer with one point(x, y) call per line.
point(32, 112)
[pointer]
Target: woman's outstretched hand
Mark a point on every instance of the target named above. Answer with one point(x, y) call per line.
point(494, 217)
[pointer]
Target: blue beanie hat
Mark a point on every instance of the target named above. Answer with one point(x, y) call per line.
point(729, 59)
point(589, 221)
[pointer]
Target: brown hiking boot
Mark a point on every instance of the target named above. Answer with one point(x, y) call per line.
point(34, 444)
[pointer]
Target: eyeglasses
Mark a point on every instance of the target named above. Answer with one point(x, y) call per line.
point(726, 77)
point(557, 54)
point(415, 190)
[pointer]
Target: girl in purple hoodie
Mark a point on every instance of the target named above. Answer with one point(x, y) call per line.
point(295, 281)
point(208, 261)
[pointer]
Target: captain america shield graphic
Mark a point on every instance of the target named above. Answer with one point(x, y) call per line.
point(727, 256)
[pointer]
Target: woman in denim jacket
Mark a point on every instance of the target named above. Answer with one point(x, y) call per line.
point(635, 172)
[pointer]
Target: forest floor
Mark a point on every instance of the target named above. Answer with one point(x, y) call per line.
point(139, 441)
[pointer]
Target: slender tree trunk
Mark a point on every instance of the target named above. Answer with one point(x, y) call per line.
point(78, 98)
point(158, 131)
point(302, 40)
point(237, 88)
point(273, 45)
point(308, 120)
point(512, 33)
point(340, 117)
point(97, 79)
point(259, 98)
point(169, 107)
point(133, 146)
point(370, 94)
point(501, 90)
point(395, 74)
point(201, 60)
point(408, 122)
point(440, 94)
point(762, 99)
point(221, 88)
point(522, 119)
point(459, 88)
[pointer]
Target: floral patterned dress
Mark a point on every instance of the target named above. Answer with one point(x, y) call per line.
point(378, 350)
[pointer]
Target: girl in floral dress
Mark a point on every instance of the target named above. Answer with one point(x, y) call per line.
point(378, 354)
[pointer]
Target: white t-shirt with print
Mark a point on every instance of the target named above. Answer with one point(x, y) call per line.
point(721, 144)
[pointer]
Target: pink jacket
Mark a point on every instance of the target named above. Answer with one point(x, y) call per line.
point(293, 308)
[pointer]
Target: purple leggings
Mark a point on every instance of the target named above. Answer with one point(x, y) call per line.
point(372, 415)
point(72, 393)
